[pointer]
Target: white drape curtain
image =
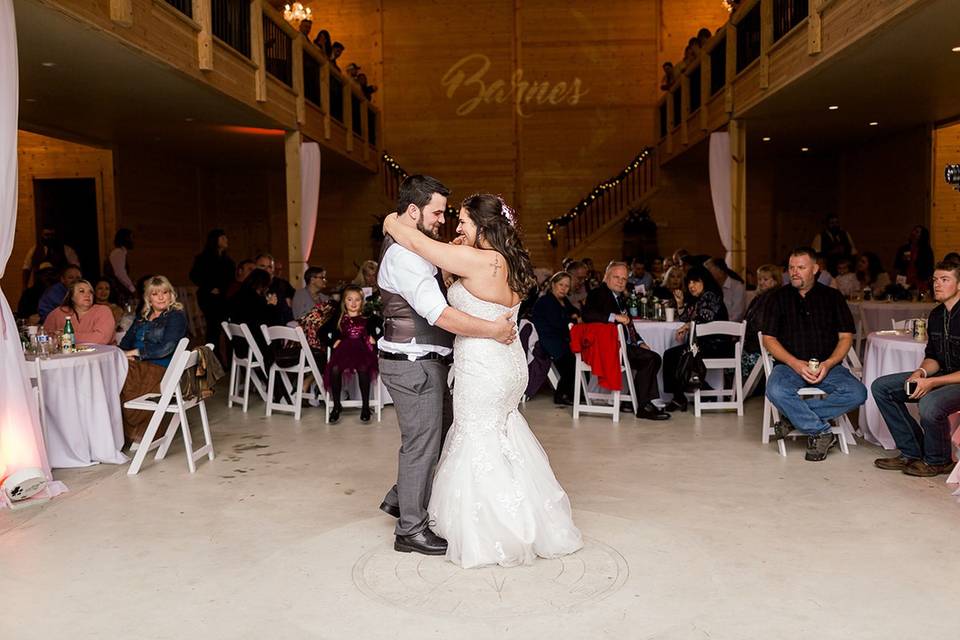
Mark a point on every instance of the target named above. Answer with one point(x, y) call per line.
point(309, 195)
point(721, 188)
point(21, 440)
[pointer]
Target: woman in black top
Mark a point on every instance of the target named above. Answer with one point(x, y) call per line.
point(552, 315)
point(254, 305)
point(700, 301)
point(212, 272)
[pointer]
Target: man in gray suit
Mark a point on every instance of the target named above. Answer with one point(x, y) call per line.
point(415, 353)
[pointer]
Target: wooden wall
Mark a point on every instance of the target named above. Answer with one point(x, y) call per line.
point(680, 20)
point(40, 157)
point(945, 209)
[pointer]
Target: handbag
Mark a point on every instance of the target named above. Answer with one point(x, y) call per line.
point(691, 371)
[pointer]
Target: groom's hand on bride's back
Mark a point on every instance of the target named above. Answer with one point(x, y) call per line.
point(505, 329)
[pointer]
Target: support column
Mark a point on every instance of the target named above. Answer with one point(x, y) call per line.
point(202, 14)
point(294, 257)
point(738, 194)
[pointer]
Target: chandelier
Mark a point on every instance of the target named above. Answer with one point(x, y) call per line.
point(296, 13)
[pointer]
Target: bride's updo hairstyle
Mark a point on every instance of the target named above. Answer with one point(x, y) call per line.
point(494, 223)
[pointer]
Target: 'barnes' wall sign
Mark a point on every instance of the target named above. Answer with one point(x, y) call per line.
point(467, 76)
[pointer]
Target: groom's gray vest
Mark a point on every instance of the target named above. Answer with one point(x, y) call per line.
point(401, 323)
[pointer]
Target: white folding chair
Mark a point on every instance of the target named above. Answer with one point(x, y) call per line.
point(354, 401)
point(841, 424)
point(735, 394)
point(900, 325)
point(253, 362)
point(852, 362)
point(753, 379)
point(291, 377)
point(603, 403)
point(171, 400)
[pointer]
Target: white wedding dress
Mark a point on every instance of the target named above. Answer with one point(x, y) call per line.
point(495, 498)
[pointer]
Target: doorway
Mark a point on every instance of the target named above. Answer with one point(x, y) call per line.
point(69, 205)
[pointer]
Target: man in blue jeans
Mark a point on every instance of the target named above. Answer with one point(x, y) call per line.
point(808, 329)
point(925, 447)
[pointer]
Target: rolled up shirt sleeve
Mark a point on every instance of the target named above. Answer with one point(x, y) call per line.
point(415, 279)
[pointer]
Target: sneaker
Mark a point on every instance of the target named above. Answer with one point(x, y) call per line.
point(781, 428)
point(921, 469)
point(819, 445)
point(898, 463)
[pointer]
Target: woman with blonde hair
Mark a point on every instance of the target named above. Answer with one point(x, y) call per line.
point(149, 345)
point(769, 279)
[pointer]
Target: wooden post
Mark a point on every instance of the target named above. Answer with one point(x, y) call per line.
point(731, 66)
point(684, 108)
point(348, 111)
point(766, 41)
point(121, 12)
point(706, 70)
point(297, 53)
point(364, 127)
point(202, 14)
point(815, 28)
point(291, 145)
point(738, 194)
point(256, 50)
point(670, 122)
point(325, 98)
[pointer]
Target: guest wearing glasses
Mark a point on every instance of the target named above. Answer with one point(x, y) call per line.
point(305, 299)
point(92, 323)
point(149, 345)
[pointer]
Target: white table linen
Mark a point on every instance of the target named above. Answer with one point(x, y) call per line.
point(886, 354)
point(660, 336)
point(81, 406)
point(877, 316)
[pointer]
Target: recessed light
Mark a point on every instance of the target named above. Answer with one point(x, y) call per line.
point(188, 119)
point(955, 49)
point(29, 99)
point(766, 138)
point(804, 149)
point(833, 107)
point(48, 64)
point(874, 124)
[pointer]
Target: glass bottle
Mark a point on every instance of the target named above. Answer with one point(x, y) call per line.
point(68, 340)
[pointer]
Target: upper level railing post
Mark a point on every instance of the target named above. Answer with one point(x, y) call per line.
point(203, 15)
point(325, 97)
point(766, 40)
point(297, 71)
point(121, 12)
point(256, 50)
point(815, 28)
point(731, 66)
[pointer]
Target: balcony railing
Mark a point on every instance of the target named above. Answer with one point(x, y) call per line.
point(748, 38)
point(311, 79)
point(183, 6)
point(787, 14)
point(277, 51)
point(231, 23)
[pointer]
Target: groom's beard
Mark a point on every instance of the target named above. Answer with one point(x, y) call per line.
point(431, 233)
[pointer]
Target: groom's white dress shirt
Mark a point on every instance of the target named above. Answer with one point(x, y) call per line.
point(406, 274)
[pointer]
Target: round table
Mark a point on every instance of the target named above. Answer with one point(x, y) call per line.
point(81, 405)
point(886, 353)
point(877, 316)
point(660, 336)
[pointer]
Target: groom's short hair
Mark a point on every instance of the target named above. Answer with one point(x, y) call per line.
point(418, 190)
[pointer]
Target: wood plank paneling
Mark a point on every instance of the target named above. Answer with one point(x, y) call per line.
point(945, 209)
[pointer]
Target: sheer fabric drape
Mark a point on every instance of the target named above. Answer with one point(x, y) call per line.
point(309, 195)
point(720, 188)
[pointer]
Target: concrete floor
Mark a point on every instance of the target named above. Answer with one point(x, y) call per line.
point(693, 530)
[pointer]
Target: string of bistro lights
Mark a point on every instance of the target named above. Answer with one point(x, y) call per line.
point(392, 164)
point(598, 192)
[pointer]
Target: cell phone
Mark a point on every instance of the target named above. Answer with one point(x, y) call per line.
point(910, 387)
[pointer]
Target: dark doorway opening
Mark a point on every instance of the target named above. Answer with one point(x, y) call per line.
point(69, 205)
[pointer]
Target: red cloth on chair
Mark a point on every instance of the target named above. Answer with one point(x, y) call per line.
point(599, 346)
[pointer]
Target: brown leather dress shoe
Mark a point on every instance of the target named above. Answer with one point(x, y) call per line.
point(892, 464)
point(921, 469)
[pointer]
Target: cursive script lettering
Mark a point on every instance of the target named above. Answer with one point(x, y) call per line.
point(468, 74)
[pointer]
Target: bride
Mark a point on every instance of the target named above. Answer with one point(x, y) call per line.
point(495, 498)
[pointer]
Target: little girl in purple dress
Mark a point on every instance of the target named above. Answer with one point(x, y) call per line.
point(353, 350)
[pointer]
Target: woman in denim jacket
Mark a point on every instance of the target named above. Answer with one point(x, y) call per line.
point(149, 344)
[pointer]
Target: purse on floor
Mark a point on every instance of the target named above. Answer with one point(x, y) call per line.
point(691, 371)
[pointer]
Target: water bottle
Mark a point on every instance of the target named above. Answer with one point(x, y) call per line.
point(43, 342)
point(68, 341)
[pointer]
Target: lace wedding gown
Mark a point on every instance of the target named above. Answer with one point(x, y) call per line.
point(495, 498)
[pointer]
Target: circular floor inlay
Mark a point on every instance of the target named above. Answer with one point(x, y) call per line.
point(433, 585)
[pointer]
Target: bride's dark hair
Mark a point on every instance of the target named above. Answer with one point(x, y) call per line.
point(493, 220)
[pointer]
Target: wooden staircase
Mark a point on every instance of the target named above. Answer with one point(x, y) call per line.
point(606, 206)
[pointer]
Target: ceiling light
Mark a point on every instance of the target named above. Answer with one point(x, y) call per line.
point(804, 149)
point(955, 49)
point(48, 64)
point(874, 124)
point(29, 99)
point(766, 138)
point(188, 119)
point(833, 107)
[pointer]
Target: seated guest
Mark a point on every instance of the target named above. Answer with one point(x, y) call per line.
point(46, 277)
point(255, 305)
point(914, 259)
point(552, 315)
point(353, 350)
point(657, 270)
point(672, 282)
point(282, 288)
point(149, 345)
point(244, 267)
point(871, 275)
point(367, 274)
point(731, 284)
point(802, 322)
point(639, 276)
point(700, 301)
point(305, 299)
point(578, 283)
point(768, 280)
point(846, 281)
point(606, 303)
point(92, 323)
point(102, 294)
point(925, 447)
point(824, 276)
point(54, 295)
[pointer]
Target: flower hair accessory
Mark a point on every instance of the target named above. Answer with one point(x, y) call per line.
point(508, 212)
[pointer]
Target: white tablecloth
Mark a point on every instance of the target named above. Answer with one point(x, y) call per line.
point(886, 354)
point(877, 315)
point(660, 336)
point(81, 406)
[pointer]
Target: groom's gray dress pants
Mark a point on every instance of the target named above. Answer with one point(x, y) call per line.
point(425, 412)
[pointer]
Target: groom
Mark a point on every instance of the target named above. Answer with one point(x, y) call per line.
point(415, 358)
